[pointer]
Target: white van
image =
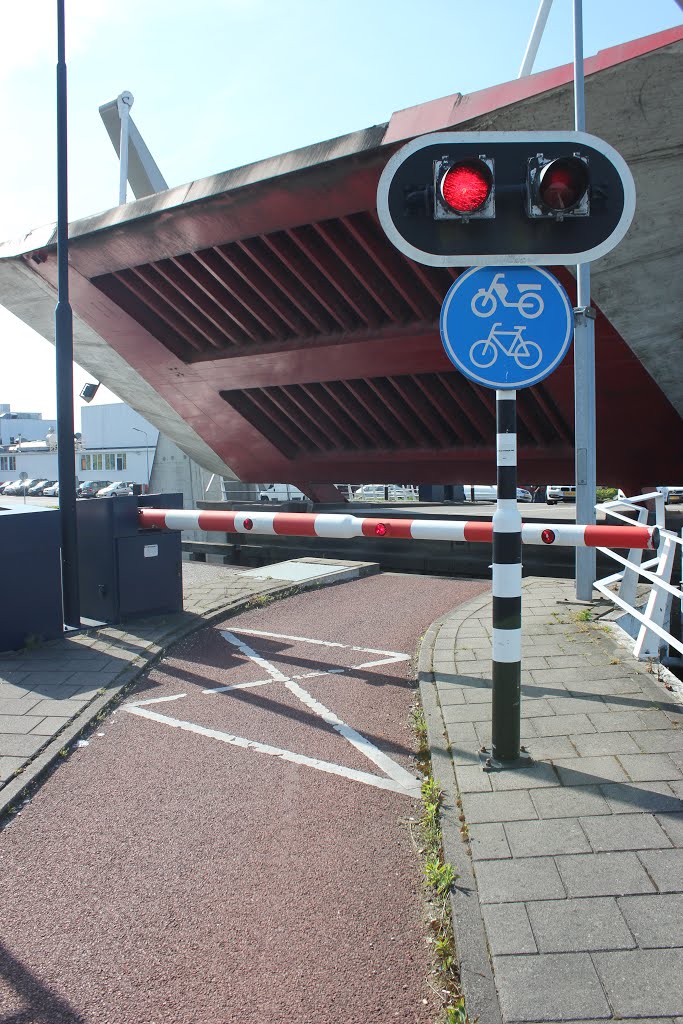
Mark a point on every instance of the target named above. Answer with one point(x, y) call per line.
point(282, 492)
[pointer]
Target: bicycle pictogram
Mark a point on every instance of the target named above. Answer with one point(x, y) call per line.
point(526, 353)
point(485, 301)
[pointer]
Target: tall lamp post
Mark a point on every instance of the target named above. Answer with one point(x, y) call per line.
point(138, 430)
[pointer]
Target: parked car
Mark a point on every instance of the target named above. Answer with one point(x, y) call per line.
point(19, 487)
point(7, 483)
point(489, 492)
point(385, 492)
point(560, 492)
point(118, 487)
point(89, 488)
point(281, 492)
point(52, 491)
point(39, 487)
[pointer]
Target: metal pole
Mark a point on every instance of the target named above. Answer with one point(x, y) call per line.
point(535, 38)
point(507, 590)
point(139, 430)
point(64, 347)
point(584, 363)
point(124, 103)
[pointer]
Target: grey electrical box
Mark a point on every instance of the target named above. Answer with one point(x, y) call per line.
point(126, 572)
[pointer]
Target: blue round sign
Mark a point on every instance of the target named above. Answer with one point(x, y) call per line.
point(506, 327)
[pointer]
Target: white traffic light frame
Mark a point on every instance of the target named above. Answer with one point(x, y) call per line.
point(481, 142)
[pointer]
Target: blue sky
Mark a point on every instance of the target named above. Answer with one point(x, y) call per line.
point(219, 83)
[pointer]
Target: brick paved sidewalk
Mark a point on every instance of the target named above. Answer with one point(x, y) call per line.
point(50, 693)
point(576, 864)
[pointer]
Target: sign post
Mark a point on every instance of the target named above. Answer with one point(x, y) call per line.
point(506, 328)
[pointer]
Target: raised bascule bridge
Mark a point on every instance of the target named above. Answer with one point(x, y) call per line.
point(261, 319)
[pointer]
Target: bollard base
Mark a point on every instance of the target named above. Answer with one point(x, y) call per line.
point(489, 763)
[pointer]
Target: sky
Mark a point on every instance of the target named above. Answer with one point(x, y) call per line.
point(221, 83)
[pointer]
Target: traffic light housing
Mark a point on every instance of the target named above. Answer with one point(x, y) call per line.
point(496, 198)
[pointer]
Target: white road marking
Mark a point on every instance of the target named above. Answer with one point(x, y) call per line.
point(264, 682)
point(286, 755)
point(368, 749)
point(398, 779)
point(390, 657)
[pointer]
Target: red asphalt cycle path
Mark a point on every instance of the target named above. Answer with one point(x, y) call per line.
point(168, 875)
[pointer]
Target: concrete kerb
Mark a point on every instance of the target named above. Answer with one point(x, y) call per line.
point(476, 974)
point(188, 622)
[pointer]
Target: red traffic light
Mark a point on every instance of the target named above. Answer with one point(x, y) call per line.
point(463, 189)
point(562, 186)
point(467, 186)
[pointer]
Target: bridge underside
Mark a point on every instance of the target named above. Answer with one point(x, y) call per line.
point(262, 320)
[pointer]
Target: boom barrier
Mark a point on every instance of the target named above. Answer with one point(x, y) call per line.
point(345, 527)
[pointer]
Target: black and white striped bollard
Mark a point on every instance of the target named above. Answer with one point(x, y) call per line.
point(507, 594)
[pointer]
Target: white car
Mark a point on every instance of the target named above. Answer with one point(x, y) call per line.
point(51, 492)
point(281, 492)
point(118, 487)
point(385, 492)
point(560, 492)
point(489, 492)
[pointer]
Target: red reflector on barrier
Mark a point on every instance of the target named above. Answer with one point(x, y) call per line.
point(548, 536)
point(248, 524)
point(380, 530)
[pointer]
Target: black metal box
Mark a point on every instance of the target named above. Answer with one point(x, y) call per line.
point(31, 588)
point(126, 572)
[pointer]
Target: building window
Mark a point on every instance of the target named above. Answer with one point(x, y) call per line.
point(8, 462)
point(110, 461)
point(120, 460)
point(97, 461)
point(85, 462)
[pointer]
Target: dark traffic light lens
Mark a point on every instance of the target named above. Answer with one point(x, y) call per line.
point(466, 186)
point(563, 183)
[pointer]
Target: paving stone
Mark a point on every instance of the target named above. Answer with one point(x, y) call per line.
point(656, 921)
point(540, 708)
point(463, 732)
point(665, 867)
point(582, 925)
point(18, 705)
point(466, 754)
point(625, 798)
point(642, 983)
point(659, 741)
point(546, 838)
point(653, 719)
point(456, 714)
point(646, 767)
point(583, 705)
point(617, 721)
point(547, 748)
point(535, 776)
point(20, 746)
point(18, 725)
point(482, 807)
point(673, 826)
point(603, 874)
point(515, 881)
point(552, 987)
point(488, 842)
point(10, 765)
point(582, 771)
point(624, 832)
point(483, 730)
point(450, 694)
point(46, 677)
point(569, 802)
point(480, 695)
point(600, 744)
point(507, 929)
point(563, 725)
point(58, 708)
point(473, 779)
point(48, 726)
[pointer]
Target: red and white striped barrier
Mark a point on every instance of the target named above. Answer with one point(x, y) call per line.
point(345, 526)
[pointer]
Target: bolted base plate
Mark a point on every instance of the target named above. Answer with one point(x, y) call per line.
point(489, 763)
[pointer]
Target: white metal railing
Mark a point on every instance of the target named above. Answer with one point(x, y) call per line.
point(655, 613)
